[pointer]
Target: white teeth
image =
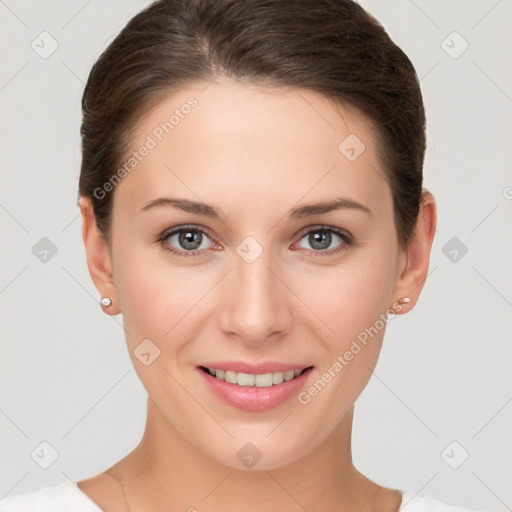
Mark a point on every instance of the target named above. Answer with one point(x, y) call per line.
point(230, 376)
point(261, 381)
point(264, 380)
point(246, 379)
point(289, 375)
point(277, 377)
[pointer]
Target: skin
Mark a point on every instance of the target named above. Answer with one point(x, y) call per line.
point(254, 153)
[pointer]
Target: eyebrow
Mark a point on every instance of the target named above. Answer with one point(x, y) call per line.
point(300, 212)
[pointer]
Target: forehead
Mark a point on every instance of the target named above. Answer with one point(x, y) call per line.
point(231, 141)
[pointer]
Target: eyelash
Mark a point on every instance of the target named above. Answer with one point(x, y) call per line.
point(348, 240)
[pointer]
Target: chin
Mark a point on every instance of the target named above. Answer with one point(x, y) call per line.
point(257, 455)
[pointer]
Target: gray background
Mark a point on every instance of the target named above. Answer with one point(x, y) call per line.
point(445, 369)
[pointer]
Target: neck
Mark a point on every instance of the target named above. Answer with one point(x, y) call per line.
point(166, 472)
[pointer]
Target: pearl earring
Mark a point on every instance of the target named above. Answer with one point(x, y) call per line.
point(404, 300)
point(106, 301)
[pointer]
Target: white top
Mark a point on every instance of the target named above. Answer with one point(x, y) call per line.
point(68, 496)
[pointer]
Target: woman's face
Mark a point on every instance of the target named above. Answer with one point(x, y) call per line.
point(250, 280)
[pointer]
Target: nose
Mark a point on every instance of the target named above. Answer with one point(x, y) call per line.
point(255, 303)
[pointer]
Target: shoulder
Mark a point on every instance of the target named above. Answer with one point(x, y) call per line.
point(58, 498)
point(413, 503)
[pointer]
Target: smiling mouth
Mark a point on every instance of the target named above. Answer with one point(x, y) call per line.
point(264, 380)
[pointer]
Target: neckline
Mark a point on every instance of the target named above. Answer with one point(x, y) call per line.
point(83, 496)
point(407, 498)
point(405, 494)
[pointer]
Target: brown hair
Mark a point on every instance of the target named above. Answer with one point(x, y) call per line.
point(333, 47)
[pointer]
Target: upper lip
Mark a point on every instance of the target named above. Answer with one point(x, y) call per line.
point(255, 368)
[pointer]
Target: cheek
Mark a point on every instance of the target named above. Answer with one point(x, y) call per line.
point(161, 302)
point(154, 309)
point(351, 301)
point(350, 297)
point(353, 305)
point(148, 296)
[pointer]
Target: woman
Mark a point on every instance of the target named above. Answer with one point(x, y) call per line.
point(252, 203)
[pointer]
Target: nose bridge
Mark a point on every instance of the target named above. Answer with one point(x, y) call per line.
point(255, 303)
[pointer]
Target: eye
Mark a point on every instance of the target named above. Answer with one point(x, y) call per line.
point(321, 239)
point(185, 241)
point(189, 241)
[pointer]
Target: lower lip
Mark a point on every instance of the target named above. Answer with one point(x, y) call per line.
point(252, 398)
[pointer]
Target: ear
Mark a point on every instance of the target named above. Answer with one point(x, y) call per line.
point(98, 257)
point(416, 257)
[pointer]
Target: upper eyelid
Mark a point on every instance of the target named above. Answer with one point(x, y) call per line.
point(172, 231)
point(323, 227)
